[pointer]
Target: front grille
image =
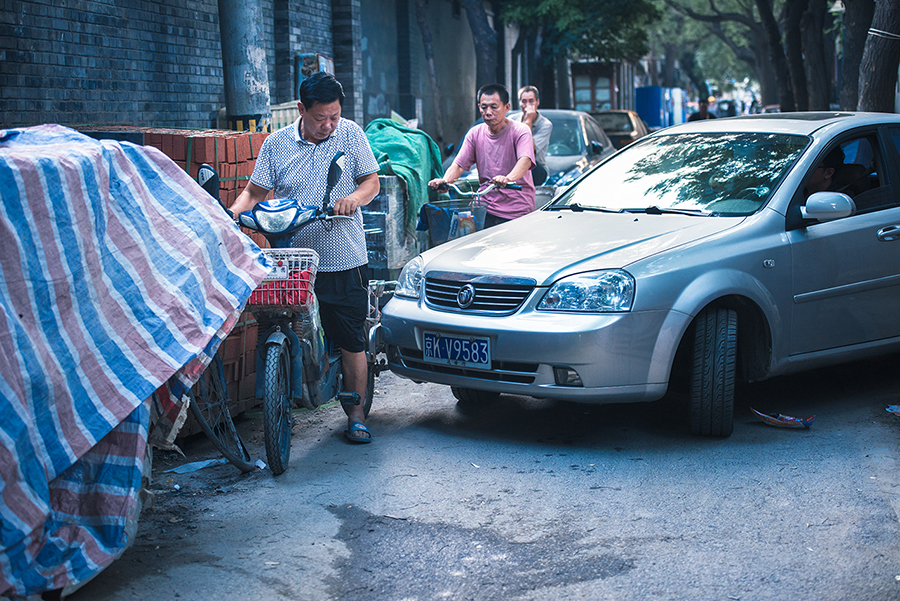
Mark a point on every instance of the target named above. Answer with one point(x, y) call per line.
point(501, 371)
point(491, 298)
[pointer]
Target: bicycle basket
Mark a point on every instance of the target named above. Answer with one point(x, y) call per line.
point(450, 219)
point(290, 281)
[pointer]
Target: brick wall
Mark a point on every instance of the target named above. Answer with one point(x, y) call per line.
point(138, 62)
point(348, 64)
point(113, 61)
point(301, 27)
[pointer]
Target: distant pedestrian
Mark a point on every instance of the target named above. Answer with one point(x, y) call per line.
point(702, 112)
point(541, 128)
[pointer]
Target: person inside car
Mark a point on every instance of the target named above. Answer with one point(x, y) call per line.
point(822, 178)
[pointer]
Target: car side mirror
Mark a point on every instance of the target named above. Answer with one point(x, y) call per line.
point(596, 147)
point(828, 206)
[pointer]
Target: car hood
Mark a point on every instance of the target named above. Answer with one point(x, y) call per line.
point(546, 245)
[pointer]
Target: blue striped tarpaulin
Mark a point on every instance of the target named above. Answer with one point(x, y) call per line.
point(119, 276)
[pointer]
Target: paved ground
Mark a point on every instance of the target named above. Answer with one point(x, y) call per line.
point(540, 500)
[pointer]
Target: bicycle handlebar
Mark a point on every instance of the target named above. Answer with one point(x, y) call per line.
point(477, 193)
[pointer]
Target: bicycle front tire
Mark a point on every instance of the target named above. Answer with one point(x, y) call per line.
point(277, 419)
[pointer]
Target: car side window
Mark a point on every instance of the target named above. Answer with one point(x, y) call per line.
point(596, 134)
point(859, 171)
point(592, 134)
point(564, 139)
point(861, 175)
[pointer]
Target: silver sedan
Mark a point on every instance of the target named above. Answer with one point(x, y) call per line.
point(705, 253)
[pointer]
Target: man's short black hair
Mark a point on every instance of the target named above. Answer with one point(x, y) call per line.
point(320, 88)
point(834, 159)
point(493, 88)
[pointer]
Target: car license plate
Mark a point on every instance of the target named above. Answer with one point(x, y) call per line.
point(472, 351)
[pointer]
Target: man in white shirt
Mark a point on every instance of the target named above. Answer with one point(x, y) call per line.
point(541, 128)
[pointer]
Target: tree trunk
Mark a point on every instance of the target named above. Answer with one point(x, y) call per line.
point(669, 65)
point(776, 55)
point(653, 68)
point(688, 62)
point(535, 59)
point(486, 44)
point(520, 66)
point(878, 69)
point(793, 45)
point(765, 75)
point(428, 43)
point(857, 20)
point(818, 70)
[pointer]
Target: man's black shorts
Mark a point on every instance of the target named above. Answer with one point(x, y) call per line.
point(344, 305)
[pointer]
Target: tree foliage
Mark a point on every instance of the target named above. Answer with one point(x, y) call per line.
point(600, 29)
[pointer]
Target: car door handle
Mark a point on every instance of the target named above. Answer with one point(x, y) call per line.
point(889, 233)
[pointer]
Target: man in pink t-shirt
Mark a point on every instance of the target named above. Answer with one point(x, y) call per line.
point(503, 151)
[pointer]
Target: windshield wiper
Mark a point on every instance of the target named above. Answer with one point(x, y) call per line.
point(655, 210)
point(578, 208)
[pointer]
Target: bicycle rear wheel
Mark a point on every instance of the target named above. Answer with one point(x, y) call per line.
point(209, 406)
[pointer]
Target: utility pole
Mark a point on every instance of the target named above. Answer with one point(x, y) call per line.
point(244, 66)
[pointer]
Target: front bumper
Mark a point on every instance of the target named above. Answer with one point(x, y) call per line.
point(619, 357)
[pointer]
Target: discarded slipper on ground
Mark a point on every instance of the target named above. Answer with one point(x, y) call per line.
point(350, 433)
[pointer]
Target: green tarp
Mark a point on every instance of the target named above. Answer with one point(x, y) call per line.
point(408, 153)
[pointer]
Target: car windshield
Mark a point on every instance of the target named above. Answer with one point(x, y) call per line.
point(614, 122)
point(721, 174)
point(566, 138)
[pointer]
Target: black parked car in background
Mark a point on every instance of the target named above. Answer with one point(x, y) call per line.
point(623, 127)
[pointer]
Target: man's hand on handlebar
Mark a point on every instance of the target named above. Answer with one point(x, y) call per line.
point(438, 183)
point(500, 181)
point(344, 206)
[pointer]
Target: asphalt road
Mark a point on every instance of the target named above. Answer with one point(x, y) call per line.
point(532, 499)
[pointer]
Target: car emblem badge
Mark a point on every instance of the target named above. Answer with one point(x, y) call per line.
point(466, 296)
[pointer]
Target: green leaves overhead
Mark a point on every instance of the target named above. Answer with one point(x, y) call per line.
point(600, 29)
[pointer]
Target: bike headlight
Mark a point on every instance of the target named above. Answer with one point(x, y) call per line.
point(593, 292)
point(276, 222)
point(409, 283)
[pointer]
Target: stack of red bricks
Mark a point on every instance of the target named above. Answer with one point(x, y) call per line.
point(232, 154)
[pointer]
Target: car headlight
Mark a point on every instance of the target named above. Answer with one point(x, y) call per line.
point(410, 281)
point(593, 292)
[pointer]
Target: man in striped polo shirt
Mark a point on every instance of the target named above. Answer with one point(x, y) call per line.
point(294, 162)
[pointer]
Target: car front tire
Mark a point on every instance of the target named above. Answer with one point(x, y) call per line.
point(714, 360)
